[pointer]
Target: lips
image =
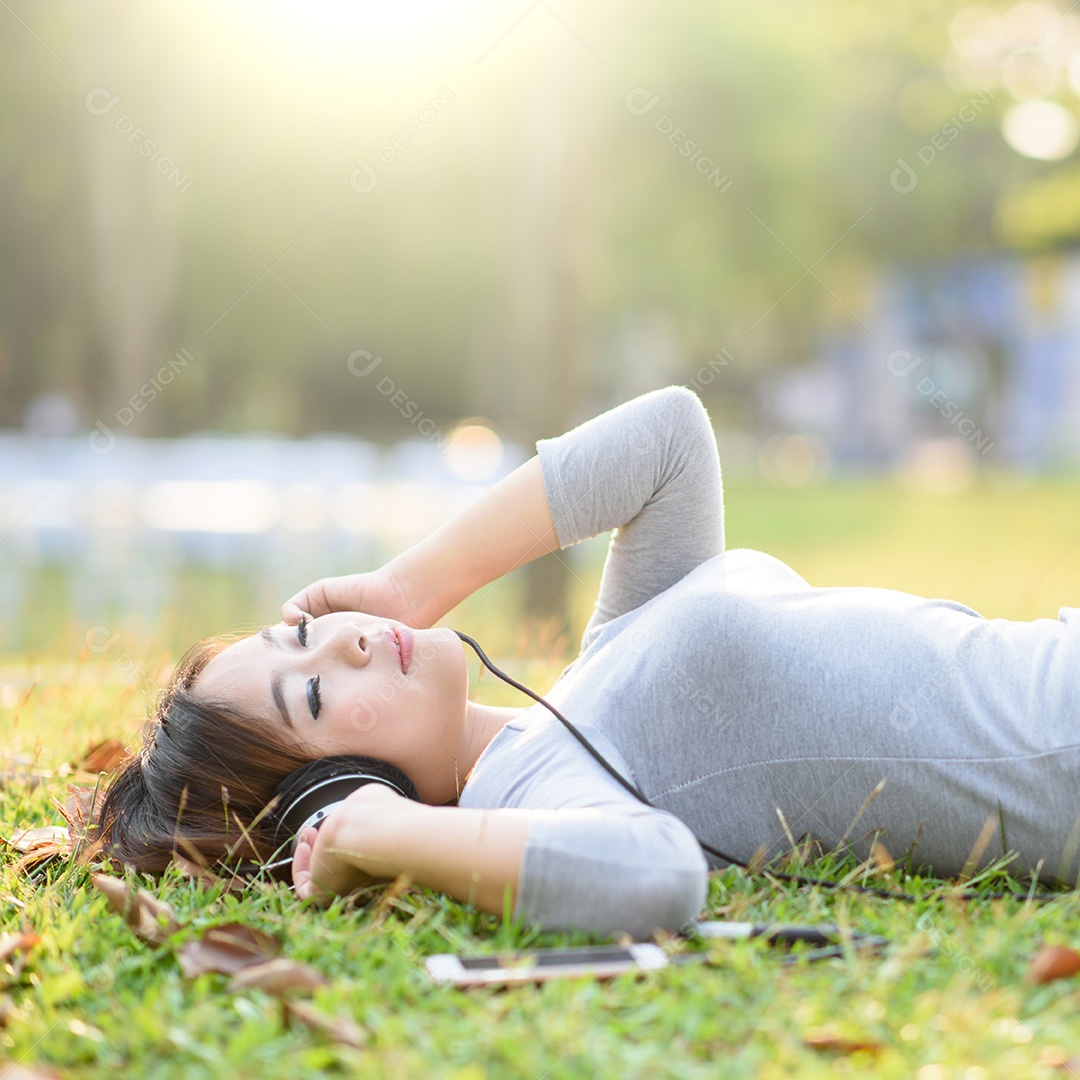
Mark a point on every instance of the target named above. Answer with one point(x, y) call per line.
point(402, 641)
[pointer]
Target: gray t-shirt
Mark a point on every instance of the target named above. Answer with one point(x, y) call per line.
point(753, 708)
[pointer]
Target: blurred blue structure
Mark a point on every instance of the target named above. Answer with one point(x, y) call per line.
point(978, 360)
point(984, 351)
point(281, 512)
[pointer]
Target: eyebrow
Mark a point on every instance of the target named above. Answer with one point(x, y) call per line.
point(276, 691)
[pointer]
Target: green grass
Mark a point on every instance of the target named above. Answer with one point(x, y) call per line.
point(946, 1000)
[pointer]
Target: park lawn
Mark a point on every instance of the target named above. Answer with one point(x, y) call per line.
point(947, 999)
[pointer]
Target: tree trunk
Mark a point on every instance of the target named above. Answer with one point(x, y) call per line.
point(538, 375)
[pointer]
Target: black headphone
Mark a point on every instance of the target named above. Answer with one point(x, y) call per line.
point(306, 797)
point(310, 794)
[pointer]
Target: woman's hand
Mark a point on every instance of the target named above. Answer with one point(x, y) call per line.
point(502, 529)
point(352, 848)
point(379, 592)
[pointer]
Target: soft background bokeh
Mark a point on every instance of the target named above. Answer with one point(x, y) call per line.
point(284, 284)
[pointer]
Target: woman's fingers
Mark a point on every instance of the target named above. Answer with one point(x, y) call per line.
point(311, 601)
point(303, 885)
point(291, 612)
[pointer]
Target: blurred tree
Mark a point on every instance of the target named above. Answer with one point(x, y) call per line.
point(133, 206)
point(512, 236)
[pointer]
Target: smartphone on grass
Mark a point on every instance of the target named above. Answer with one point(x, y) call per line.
point(539, 965)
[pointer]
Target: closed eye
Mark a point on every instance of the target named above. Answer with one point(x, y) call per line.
point(313, 696)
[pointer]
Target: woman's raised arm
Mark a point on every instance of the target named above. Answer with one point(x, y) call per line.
point(648, 468)
point(506, 527)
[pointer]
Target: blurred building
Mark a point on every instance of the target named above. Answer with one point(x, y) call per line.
point(985, 353)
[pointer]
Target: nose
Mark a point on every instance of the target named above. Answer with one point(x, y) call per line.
point(350, 643)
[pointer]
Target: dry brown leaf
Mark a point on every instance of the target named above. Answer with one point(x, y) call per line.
point(226, 949)
point(1056, 1057)
point(14, 772)
point(880, 854)
point(1053, 962)
point(82, 807)
point(53, 837)
point(10, 944)
point(150, 918)
point(13, 943)
point(103, 756)
point(20, 1072)
point(342, 1029)
point(40, 845)
point(277, 976)
point(839, 1044)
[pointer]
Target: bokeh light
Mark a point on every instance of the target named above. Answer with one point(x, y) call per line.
point(473, 450)
point(1041, 129)
point(794, 460)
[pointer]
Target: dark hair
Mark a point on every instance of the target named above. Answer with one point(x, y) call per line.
point(201, 781)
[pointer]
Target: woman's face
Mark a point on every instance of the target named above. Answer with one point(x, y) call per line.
point(335, 685)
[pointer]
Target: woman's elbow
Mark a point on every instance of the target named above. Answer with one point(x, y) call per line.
point(671, 902)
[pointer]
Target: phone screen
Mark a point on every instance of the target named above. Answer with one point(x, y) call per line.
point(552, 958)
point(599, 961)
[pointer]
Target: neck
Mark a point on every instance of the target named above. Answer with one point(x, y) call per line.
point(482, 724)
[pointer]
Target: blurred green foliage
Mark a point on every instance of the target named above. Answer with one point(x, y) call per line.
point(508, 236)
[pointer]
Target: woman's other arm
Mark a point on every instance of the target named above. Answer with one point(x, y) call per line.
point(605, 869)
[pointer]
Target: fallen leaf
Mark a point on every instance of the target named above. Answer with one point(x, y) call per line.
point(1053, 962)
point(885, 862)
point(12, 943)
point(40, 845)
point(47, 836)
point(150, 918)
point(840, 1044)
point(226, 949)
point(82, 807)
point(1056, 1057)
point(103, 756)
point(342, 1029)
point(19, 773)
point(278, 975)
point(20, 1072)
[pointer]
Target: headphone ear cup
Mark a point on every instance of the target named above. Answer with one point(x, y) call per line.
point(305, 794)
